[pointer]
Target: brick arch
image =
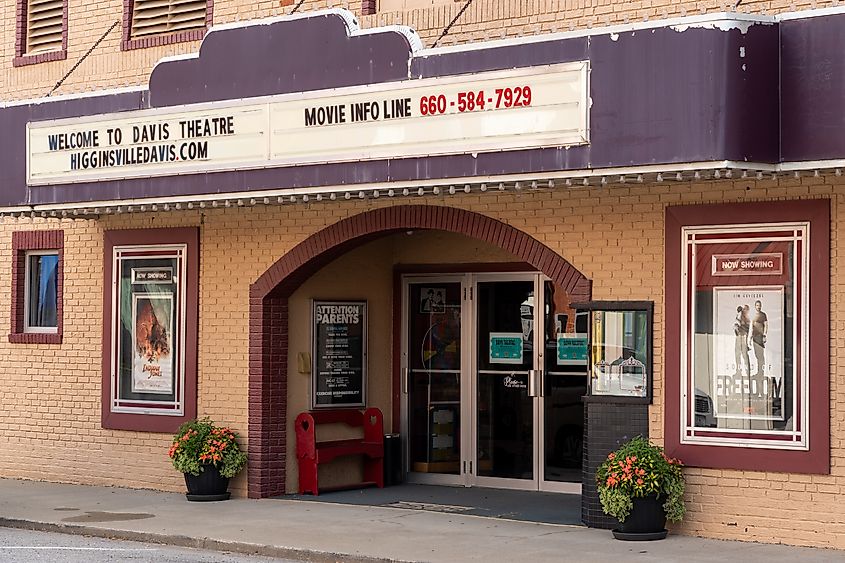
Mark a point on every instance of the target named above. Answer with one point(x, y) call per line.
point(268, 312)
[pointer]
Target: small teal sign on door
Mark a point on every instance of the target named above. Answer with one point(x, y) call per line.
point(572, 349)
point(505, 348)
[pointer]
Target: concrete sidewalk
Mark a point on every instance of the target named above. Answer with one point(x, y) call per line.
point(317, 531)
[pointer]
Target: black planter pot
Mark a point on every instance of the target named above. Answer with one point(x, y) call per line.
point(209, 485)
point(647, 521)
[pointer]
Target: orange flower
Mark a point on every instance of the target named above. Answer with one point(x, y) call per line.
point(639, 482)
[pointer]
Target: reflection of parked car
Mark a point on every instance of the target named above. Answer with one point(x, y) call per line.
point(704, 417)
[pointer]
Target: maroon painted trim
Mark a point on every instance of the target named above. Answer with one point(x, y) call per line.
point(817, 459)
point(129, 44)
point(21, 58)
point(23, 241)
point(268, 313)
point(471, 268)
point(153, 423)
point(396, 407)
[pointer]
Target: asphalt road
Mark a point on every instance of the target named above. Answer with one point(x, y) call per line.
point(22, 546)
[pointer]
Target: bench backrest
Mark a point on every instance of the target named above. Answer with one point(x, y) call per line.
point(306, 426)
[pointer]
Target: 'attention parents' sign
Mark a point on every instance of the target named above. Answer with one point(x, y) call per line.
point(339, 354)
point(528, 108)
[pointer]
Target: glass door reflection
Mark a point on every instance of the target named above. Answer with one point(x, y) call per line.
point(434, 377)
point(564, 384)
point(504, 364)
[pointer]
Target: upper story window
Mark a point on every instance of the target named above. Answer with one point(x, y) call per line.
point(149, 23)
point(42, 31)
point(37, 287)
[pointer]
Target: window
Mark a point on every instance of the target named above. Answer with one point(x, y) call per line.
point(37, 287)
point(42, 31)
point(149, 364)
point(40, 291)
point(747, 335)
point(159, 22)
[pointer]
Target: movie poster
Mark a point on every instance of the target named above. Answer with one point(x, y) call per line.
point(748, 352)
point(152, 343)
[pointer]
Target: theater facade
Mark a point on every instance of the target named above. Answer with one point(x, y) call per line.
point(521, 251)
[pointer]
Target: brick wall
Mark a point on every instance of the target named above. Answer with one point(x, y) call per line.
point(109, 67)
point(50, 421)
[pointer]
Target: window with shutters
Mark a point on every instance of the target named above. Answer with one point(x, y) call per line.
point(159, 22)
point(42, 31)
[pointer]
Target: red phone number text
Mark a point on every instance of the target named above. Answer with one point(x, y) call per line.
point(437, 104)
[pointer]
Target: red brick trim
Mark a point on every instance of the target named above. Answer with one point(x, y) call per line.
point(23, 241)
point(153, 423)
point(21, 58)
point(817, 459)
point(368, 7)
point(268, 316)
point(129, 44)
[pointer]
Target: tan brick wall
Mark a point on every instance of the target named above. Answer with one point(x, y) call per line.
point(109, 67)
point(50, 420)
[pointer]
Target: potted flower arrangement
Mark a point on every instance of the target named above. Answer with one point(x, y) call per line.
point(642, 488)
point(209, 456)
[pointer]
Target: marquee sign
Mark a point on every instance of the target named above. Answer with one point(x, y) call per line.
point(503, 110)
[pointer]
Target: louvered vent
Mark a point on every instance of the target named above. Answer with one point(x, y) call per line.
point(152, 17)
point(44, 26)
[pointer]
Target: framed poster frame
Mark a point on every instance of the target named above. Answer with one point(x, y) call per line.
point(755, 427)
point(815, 212)
point(346, 315)
point(124, 249)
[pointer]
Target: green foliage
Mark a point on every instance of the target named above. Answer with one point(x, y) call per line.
point(639, 469)
point(200, 442)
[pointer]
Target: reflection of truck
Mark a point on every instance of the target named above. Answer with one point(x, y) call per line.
point(704, 417)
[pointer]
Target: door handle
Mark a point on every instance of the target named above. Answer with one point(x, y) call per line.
point(542, 382)
point(532, 383)
point(403, 375)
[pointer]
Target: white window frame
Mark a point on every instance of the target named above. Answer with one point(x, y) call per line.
point(27, 290)
point(691, 434)
point(164, 407)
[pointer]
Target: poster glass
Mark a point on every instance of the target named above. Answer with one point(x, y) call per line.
point(148, 329)
point(745, 312)
point(339, 354)
point(619, 353)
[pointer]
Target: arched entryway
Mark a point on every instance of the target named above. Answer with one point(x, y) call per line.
point(268, 321)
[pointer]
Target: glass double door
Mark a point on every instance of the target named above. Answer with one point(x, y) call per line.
point(484, 401)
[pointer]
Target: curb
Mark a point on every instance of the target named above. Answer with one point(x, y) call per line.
point(208, 544)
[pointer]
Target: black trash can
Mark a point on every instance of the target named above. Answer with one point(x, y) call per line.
point(392, 459)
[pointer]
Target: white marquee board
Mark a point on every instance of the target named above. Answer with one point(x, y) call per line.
point(504, 110)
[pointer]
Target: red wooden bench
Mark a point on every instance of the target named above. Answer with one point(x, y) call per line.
point(310, 453)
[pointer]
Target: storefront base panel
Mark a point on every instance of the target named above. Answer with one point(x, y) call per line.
point(606, 426)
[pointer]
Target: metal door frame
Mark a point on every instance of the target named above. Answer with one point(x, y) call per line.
point(469, 385)
point(432, 478)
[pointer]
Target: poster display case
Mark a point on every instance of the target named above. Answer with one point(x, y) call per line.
point(744, 362)
point(620, 350)
point(148, 329)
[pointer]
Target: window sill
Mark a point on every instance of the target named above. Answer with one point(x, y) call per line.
point(25, 60)
point(35, 338)
point(163, 39)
